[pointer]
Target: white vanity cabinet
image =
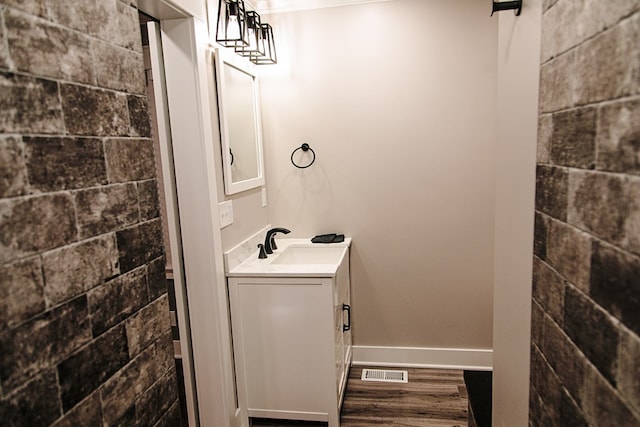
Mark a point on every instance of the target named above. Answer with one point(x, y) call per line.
point(292, 344)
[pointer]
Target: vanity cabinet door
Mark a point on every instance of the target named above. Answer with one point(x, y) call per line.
point(284, 346)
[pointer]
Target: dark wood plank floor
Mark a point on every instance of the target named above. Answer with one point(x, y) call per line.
point(431, 398)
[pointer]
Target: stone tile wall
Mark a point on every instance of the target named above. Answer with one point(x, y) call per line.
point(585, 353)
point(85, 338)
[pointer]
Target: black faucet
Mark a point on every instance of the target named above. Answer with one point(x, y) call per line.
point(270, 241)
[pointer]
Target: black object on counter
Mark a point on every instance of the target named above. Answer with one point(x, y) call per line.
point(328, 238)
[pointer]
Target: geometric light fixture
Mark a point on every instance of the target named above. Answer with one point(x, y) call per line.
point(243, 30)
point(267, 46)
point(231, 29)
point(254, 48)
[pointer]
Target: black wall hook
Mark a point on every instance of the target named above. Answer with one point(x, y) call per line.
point(507, 5)
point(304, 147)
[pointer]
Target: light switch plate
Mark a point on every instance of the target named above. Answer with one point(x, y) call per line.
point(264, 197)
point(226, 213)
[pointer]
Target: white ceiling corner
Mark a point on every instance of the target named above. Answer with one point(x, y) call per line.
point(274, 6)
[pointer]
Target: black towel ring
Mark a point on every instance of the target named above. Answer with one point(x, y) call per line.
point(303, 147)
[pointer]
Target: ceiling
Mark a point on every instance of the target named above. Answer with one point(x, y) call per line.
point(272, 6)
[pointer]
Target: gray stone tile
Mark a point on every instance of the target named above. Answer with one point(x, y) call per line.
point(112, 21)
point(632, 226)
point(603, 406)
point(29, 105)
point(5, 59)
point(157, 278)
point(127, 20)
point(548, 290)
point(559, 32)
point(128, 418)
point(35, 224)
point(130, 160)
point(118, 68)
point(148, 199)
point(570, 413)
point(565, 358)
point(573, 138)
point(157, 400)
point(536, 408)
point(39, 47)
point(75, 269)
point(35, 404)
point(94, 112)
point(56, 163)
point(537, 323)
point(548, 387)
point(21, 292)
point(139, 244)
point(545, 130)
point(116, 300)
point(121, 390)
point(629, 368)
point(557, 82)
point(171, 418)
point(42, 342)
point(552, 185)
point(165, 359)
point(604, 68)
point(105, 209)
point(13, 175)
point(569, 252)
point(33, 7)
point(90, 17)
point(618, 139)
point(592, 330)
point(83, 372)
point(540, 235)
point(148, 325)
point(599, 203)
point(615, 281)
point(139, 116)
point(87, 413)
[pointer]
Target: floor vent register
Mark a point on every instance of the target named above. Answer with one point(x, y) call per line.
point(385, 376)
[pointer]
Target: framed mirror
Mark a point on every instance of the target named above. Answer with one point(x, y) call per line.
point(240, 128)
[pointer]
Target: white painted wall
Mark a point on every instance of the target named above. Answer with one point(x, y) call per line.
point(398, 99)
point(518, 72)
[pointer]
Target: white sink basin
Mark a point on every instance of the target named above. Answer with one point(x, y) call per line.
point(310, 255)
point(295, 258)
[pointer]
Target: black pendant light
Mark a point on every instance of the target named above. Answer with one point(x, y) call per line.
point(268, 46)
point(231, 29)
point(253, 36)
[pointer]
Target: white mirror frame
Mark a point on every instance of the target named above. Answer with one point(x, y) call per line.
point(224, 58)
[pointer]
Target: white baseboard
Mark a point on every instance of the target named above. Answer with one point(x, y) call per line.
point(424, 357)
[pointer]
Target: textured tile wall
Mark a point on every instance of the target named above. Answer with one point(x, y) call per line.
point(85, 338)
point(585, 353)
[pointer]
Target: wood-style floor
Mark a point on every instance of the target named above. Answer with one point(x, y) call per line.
point(431, 398)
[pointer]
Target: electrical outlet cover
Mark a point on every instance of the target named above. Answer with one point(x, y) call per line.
point(226, 213)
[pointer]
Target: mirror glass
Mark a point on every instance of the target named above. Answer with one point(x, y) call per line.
point(239, 114)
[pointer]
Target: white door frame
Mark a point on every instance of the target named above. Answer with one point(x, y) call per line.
point(184, 44)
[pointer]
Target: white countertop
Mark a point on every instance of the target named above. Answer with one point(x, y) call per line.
point(255, 267)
